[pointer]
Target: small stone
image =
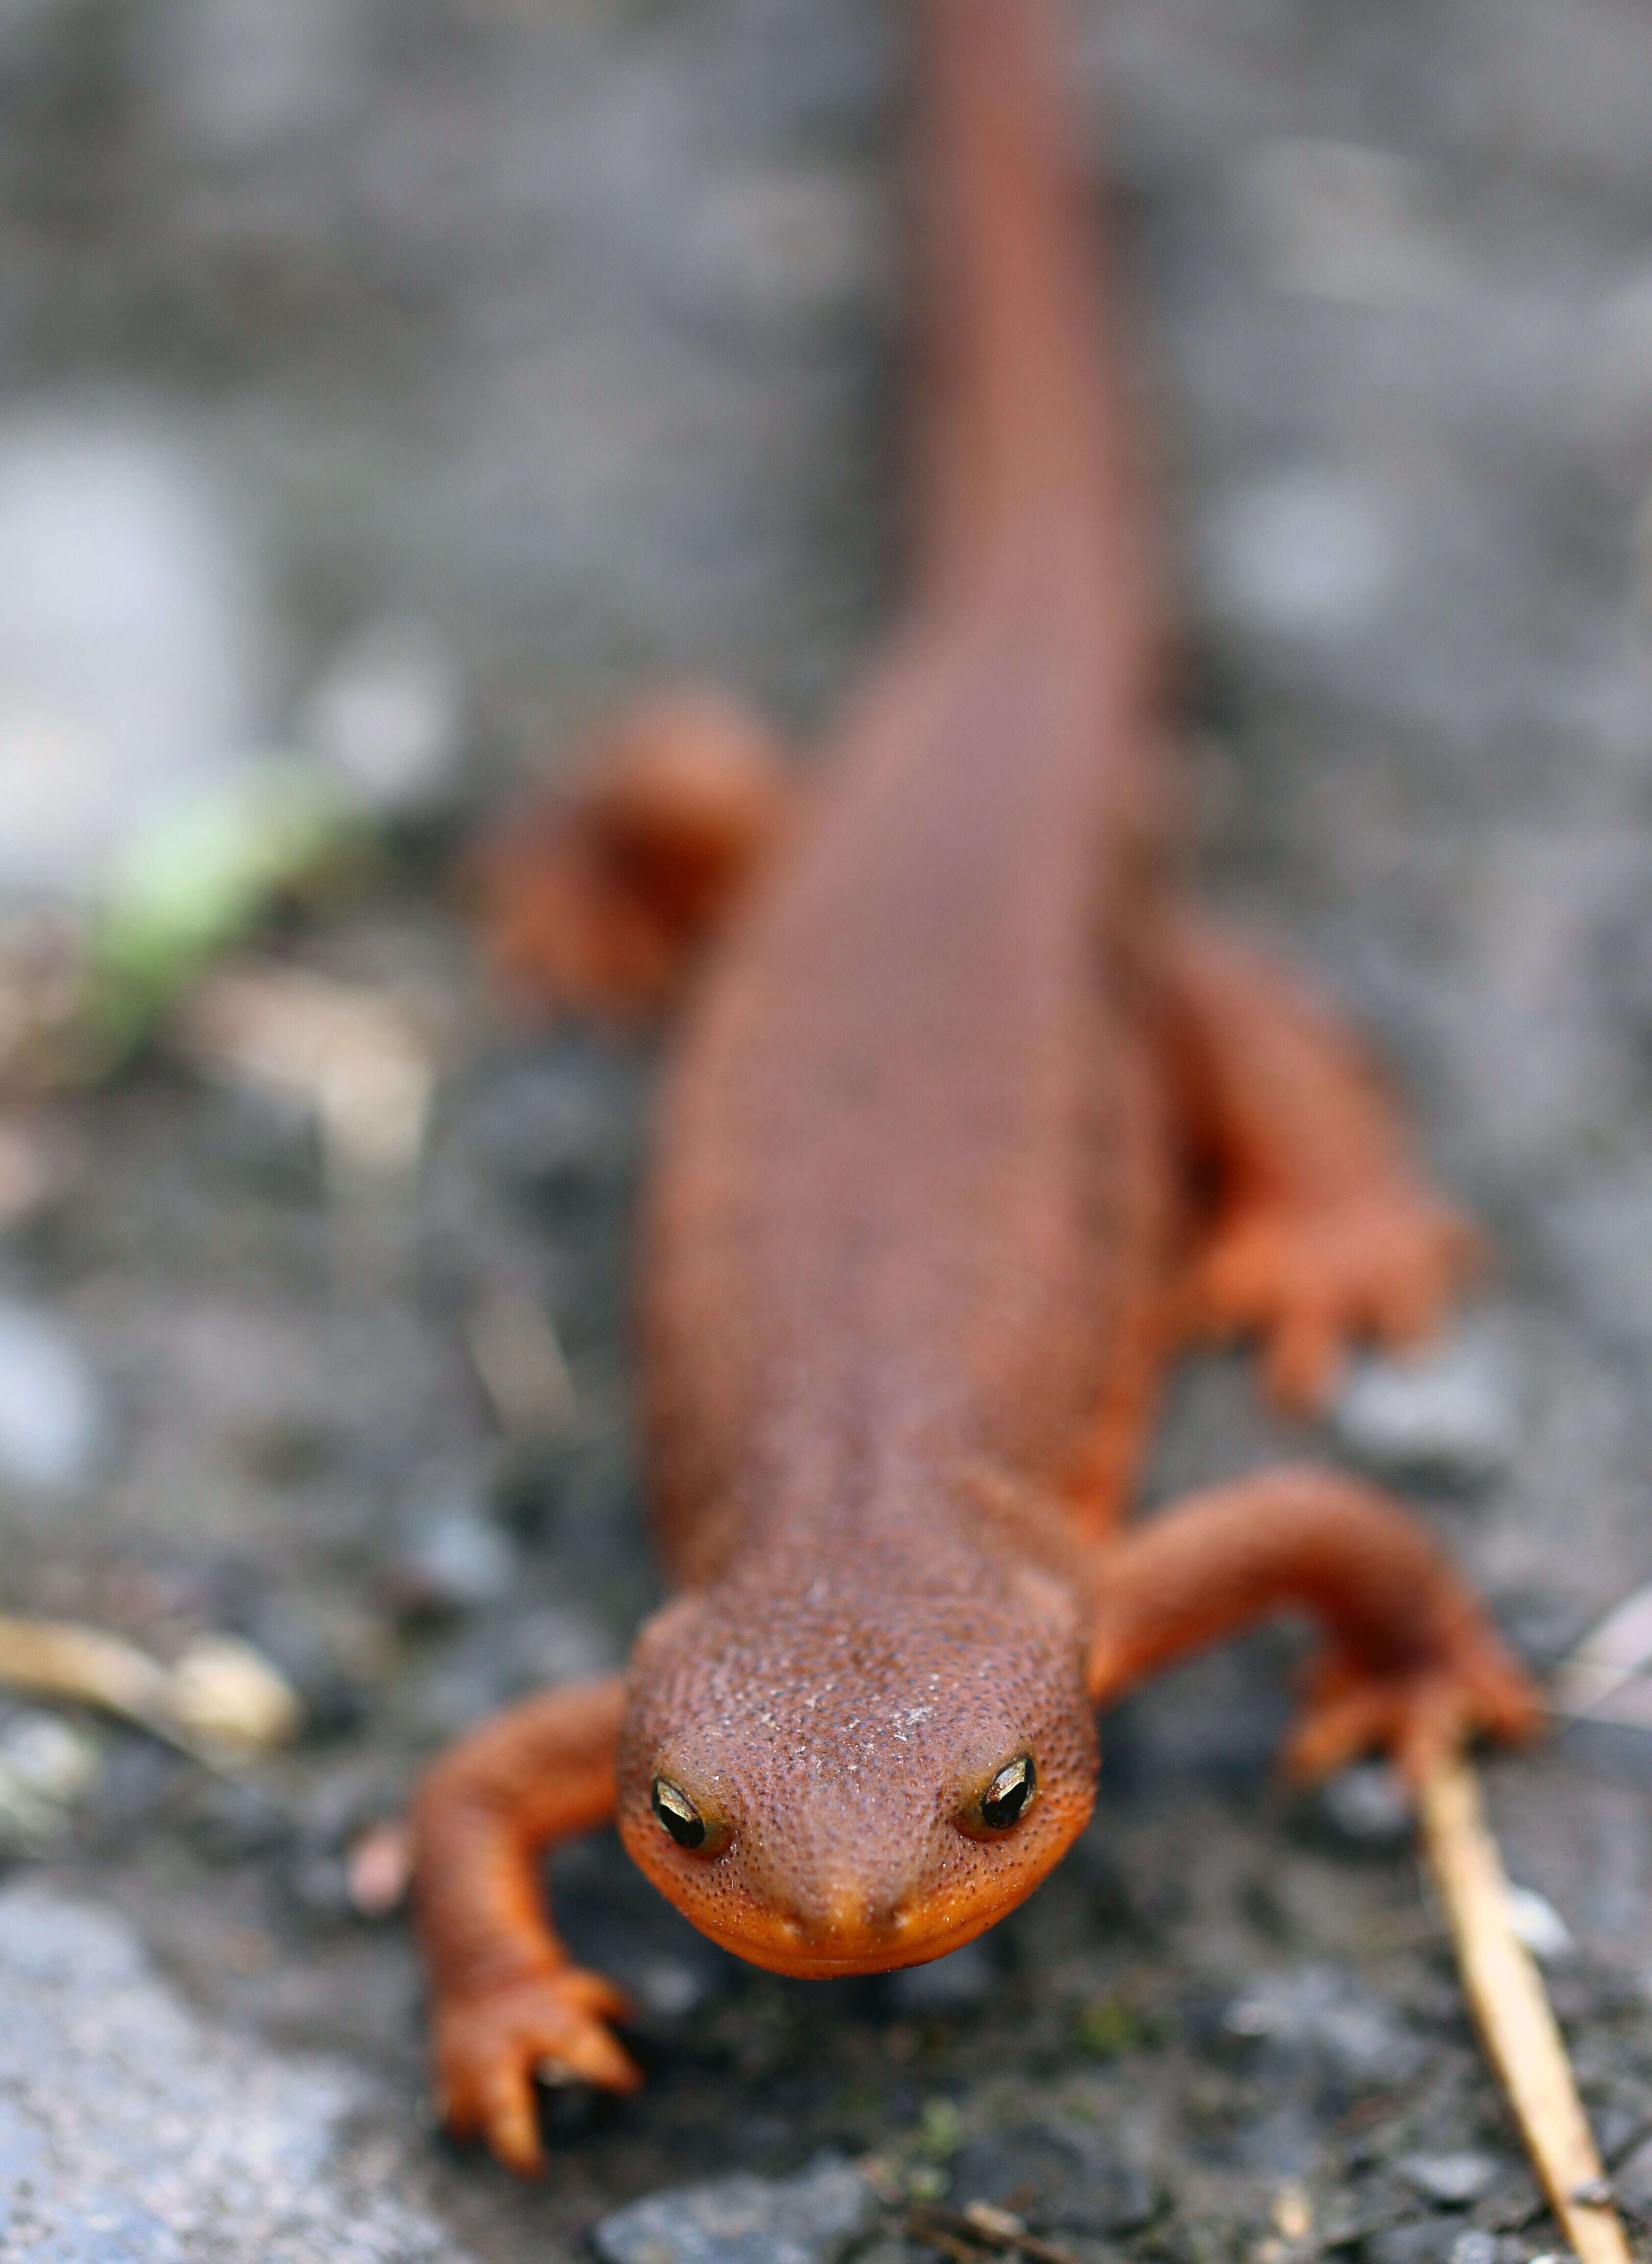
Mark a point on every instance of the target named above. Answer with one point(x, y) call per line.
point(1368, 1806)
point(1309, 553)
point(1320, 2016)
point(1633, 2179)
point(1292, 2211)
point(378, 1869)
point(671, 1988)
point(556, 1124)
point(454, 1694)
point(50, 1755)
point(230, 1823)
point(1475, 2247)
point(785, 244)
point(47, 1767)
point(954, 1984)
point(241, 81)
point(1066, 2176)
point(1450, 1417)
point(1540, 1926)
point(743, 2219)
point(1430, 2241)
point(559, 1643)
point(454, 1560)
point(302, 1649)
point(1449, 2181)
point(51, 1421)
point(1334, 220)
point(388, 716)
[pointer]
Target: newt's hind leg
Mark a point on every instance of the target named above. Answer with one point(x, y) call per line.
point(597, 900)
point(1323, 1231)
point(1410, 1662)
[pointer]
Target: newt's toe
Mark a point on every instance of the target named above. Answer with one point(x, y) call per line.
point(1419, 1714)
point(1310, 1284)
point(1418, 1726)
point(492, 2046)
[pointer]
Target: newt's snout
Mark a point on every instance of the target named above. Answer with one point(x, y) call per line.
point(844, 1917)
point(833, 1785)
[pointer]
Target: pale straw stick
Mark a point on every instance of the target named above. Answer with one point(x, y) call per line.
point(1511, 2010)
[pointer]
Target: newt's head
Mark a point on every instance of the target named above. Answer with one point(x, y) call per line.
point(849, 1774)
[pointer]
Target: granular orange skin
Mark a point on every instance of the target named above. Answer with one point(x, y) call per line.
point(970, 1118)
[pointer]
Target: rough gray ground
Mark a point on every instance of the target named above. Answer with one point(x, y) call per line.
point(569, 327)
point(129, 2131)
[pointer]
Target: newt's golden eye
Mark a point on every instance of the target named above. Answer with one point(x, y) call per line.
point(678, 1813)
point(1006, 1797)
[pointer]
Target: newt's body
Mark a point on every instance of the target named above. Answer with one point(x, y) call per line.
point(923, 1222)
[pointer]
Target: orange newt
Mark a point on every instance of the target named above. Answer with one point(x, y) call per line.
point(971, 1118)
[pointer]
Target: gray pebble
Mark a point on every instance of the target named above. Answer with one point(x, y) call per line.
point(389, 715)
point(1066, 2176)
point(1475, 2247)
point(47, 1767)
point(557, 1123)
point(560, 1642)
point(743, 2220)
point(453, 1559)
point(1632, 2180)
point(1320, 2016)
point(1430, 2241)
point(242, 80)
point(1451, 1416)
point(1452, 2181)
point(947, 1984)
point(1368, 1806)
point(1309, 553)
point(784, 243)
point(671, 1988)
point(51, 1423)
point(1334, 220)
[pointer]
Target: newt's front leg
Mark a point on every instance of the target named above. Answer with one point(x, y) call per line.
point(507, 2001)
point(1410, 1662)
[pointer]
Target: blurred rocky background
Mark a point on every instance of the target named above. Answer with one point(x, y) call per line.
point(384, 386)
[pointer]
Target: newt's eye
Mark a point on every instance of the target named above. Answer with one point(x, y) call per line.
point(1007, 1795)
point(678, 1813)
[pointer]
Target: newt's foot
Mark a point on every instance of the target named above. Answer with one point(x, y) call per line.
point(1419, 1714)
point(1309, 1283)
point(489, 2047)
point(598, 901)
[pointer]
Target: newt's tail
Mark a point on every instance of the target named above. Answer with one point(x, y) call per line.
point(1026, 435)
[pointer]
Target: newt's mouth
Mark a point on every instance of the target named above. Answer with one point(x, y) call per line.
point(780, 1944)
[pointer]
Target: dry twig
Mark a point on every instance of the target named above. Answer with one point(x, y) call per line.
point(962, 2234)
point(221, 1703)
point(1511, 2011)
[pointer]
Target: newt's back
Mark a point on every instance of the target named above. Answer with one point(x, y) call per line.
point(909, 1180)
